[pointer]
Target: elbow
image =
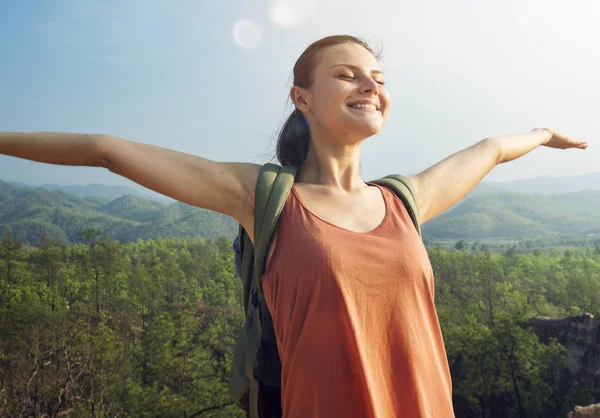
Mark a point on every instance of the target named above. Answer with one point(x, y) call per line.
point(102, 144)
point(494, 145)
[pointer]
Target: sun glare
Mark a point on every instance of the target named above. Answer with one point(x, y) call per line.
point(247, 34)
point(291, 14)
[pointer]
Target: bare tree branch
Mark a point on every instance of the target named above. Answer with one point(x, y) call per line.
point(212, 408)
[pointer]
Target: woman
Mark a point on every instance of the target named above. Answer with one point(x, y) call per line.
point(348, 281)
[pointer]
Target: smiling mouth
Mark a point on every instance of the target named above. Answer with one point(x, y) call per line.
point(362, 106)
point(366, 108)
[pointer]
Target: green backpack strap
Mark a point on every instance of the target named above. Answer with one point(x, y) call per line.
point(272, 189)
point(247, 266)
point(405, 190)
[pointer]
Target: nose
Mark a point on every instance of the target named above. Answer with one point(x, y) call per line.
point(369, 86)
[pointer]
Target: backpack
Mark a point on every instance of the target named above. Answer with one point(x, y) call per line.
point(255, 377)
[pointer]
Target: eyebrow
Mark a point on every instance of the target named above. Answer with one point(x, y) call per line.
point(354, 67)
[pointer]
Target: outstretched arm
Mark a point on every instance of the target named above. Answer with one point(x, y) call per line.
point(445, 183)
point(222, 187)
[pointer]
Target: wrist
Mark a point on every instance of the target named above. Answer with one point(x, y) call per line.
point(548, 134)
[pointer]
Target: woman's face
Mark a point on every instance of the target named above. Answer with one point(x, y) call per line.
point(348, 99)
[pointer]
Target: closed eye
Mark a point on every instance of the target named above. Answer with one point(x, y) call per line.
point(351, 77)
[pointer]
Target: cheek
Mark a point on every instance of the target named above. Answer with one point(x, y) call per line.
point(329, 100)
point(332, 93)
point(386, 100)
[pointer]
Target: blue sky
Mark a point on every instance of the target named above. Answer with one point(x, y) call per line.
point(172, 74)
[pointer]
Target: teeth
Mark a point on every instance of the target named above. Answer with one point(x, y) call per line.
point(364, 106)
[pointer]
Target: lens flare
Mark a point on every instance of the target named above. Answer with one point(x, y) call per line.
point(247, 34)
point(291, 14)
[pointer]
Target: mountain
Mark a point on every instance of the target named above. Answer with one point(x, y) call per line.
point(541, 185)
point(181, 220)
point(96, 190)
point(133, 208)
point(545, 185)
point(485, 188)
point(518, 215)
point(32, 213)
point(491, 210)
point(96, 201)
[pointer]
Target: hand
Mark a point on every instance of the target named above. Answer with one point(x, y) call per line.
point(561, 141)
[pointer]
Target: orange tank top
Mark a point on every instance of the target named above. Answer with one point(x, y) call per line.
point(354, 318)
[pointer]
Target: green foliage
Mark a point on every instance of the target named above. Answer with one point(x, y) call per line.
point(31, 214)
point(104, 329)
point(499, 367)
point(535, 220)
point(519, 216)
point(147, 328)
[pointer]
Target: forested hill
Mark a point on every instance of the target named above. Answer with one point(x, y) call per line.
point(519, 215)
point(109, 192)
point(30, 214)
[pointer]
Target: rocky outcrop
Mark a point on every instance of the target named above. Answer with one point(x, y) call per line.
point(581, 337)
point(591, 411)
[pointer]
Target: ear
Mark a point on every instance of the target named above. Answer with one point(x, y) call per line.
point(299, 97)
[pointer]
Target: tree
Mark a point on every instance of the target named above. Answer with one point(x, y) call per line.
point(10, 254)
point(91, 235)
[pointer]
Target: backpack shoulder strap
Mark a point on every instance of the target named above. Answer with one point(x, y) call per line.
point(272, 189)
point(273, 185)
point(405, 190)
point(246, 264)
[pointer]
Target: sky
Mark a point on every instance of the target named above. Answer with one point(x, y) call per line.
point(211, 78)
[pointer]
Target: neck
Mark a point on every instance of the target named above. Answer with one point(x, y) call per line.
point(332, 163)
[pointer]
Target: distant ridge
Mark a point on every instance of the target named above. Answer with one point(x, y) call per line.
point(553, 185)
point(543, 185)
point(538, 185)
point(97, 190)
point(29, 214)
point(544, 207)
point(519, 216)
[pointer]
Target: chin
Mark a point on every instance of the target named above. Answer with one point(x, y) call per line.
point(369, 128)
point(360, 128)
point(370, 124)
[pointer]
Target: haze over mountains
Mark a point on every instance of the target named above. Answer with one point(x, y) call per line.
point(543, 185)
point(99, 190)
point(30, 213)
point(524, 209)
